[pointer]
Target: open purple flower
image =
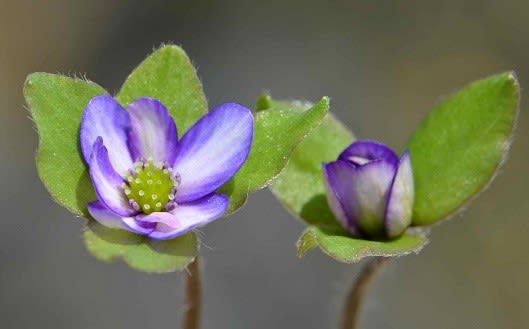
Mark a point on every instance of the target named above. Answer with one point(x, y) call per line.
point(370, 190)
point(149, 182)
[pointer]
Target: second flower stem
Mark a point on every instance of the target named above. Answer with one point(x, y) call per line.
point(354, 300)
point(193, 300)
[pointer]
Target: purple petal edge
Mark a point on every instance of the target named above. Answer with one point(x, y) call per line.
point(370, 150)
point(193, 215)
point(335, 173)
point(108, 218)
point(213, 150)
point(107, 182)
point(153, 131)
point(105, 117)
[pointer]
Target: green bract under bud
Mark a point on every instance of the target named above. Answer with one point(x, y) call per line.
point(151, 188)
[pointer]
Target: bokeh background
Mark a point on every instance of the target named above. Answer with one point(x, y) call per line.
point(383, 63)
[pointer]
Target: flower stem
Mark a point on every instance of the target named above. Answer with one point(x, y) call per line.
point(354, 300)
point(193, 296)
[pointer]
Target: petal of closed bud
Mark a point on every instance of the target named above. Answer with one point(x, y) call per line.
point(370, 186)
point(400, 199)
point(337, 174)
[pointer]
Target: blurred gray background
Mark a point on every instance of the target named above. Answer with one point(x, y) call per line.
point(383, 63)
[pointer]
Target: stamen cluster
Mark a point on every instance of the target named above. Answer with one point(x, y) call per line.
point(151, 187)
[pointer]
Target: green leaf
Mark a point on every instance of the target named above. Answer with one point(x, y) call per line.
point(169, 76)
point(139, 252)
point(278, 130)
point(458, 149)
point(344, 248)
point(300, 188)
point(57, 103)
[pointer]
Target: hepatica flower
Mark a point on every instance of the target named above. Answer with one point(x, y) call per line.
point(370, 190)
point(149, 182)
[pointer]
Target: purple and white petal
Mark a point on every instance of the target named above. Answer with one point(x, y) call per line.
point(362, 191)
point(212, 151)
point(334, 173)
point(365, 151)
point(162, 222)
point(400, 199)
point(370, 186)
point(107, 182)
point(188, 216)
point(153, 131)
point(105, 117)
point(107, 218)
point(104, 216)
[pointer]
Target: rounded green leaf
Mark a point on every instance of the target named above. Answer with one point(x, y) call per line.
point(344, 248)
point(56, 104)
point(458, 149)
point(140, 252)
point(278, 130)
point(169, 76)
point(300, 186)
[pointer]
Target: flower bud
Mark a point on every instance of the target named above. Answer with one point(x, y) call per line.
point(370, 190)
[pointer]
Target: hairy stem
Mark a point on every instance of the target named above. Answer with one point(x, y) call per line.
point(193, 296)
point(358, 291)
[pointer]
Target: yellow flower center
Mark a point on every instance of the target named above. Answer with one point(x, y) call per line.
point(151, 187)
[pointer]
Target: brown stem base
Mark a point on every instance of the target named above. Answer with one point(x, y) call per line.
point(354, 300)
point(193, 296)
